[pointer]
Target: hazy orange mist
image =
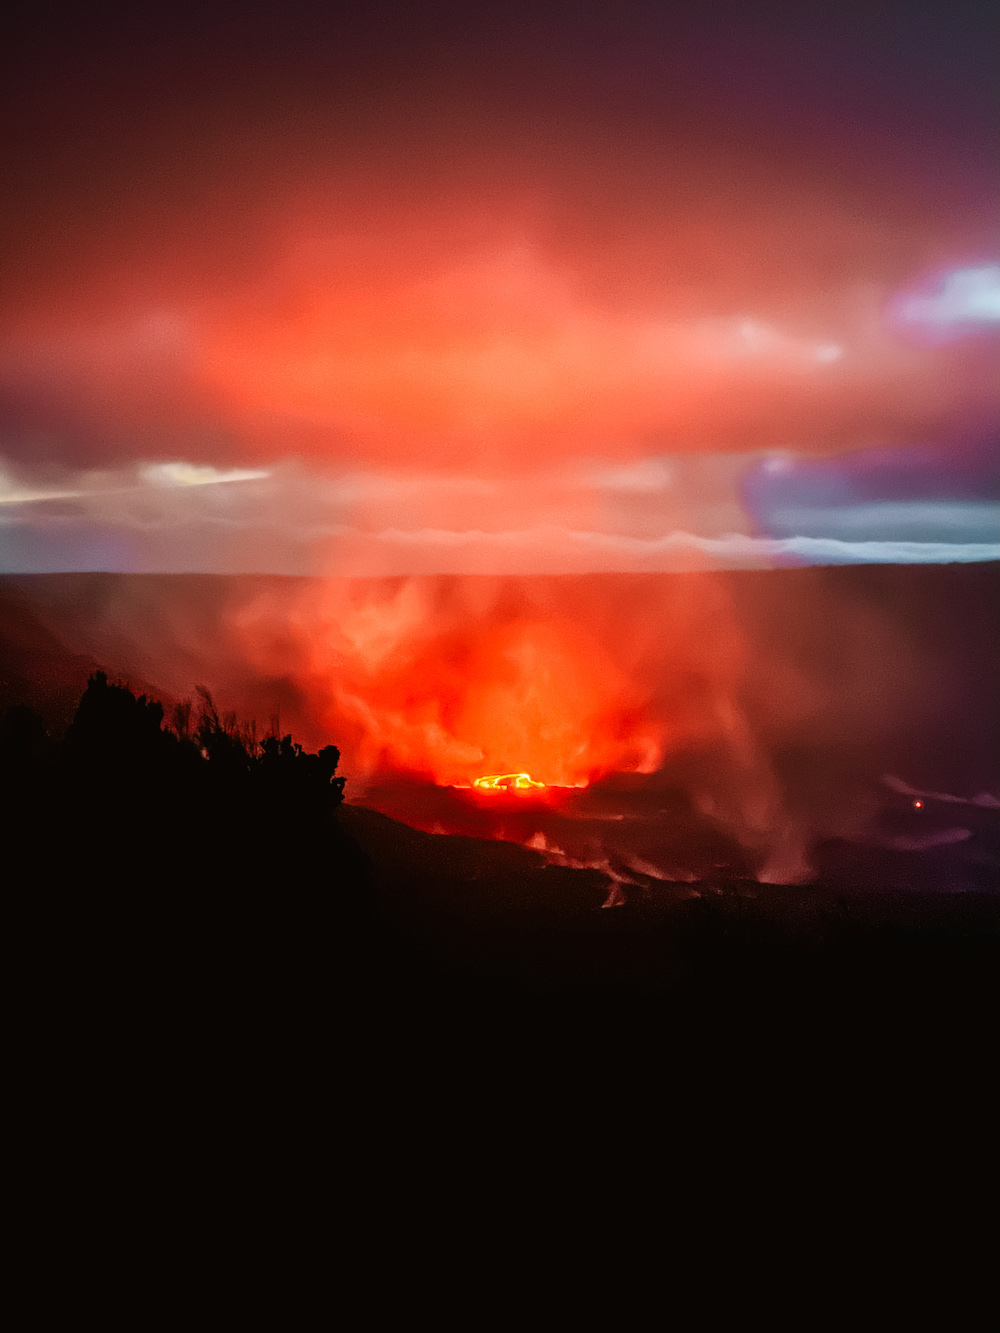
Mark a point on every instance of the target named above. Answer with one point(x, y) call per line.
point(494, 345)
point(452, 679)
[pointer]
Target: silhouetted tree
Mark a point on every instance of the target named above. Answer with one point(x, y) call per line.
point(112, 725)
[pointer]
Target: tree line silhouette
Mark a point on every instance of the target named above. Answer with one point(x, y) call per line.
point(124, 802)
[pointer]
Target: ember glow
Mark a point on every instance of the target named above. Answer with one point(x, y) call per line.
point(507, 782)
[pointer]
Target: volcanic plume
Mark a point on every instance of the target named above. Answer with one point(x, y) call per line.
point(453, 678)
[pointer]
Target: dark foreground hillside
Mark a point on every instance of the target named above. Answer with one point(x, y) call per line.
point(198, 911)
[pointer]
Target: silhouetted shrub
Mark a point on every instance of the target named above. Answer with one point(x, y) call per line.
point(124, 802)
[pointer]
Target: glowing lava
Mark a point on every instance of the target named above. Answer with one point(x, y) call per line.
point(506, 782)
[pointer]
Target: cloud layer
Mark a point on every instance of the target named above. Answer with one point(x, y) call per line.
point(321, 289)
point(656, 515)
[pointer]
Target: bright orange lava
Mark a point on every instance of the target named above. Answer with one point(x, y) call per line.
point(506, 782)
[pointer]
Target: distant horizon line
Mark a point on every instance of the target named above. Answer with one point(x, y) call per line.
point(493, 574)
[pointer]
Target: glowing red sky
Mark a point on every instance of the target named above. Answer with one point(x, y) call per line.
point(484, 242)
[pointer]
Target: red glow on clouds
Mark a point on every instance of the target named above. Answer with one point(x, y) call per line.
point(498, 243)
point(505, 351)
point(495, 347)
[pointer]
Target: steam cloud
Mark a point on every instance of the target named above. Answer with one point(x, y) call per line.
point(773, 701)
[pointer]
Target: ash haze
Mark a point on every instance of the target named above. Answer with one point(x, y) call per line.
point(498, 290)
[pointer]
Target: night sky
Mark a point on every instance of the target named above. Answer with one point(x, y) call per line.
point(505, 288)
